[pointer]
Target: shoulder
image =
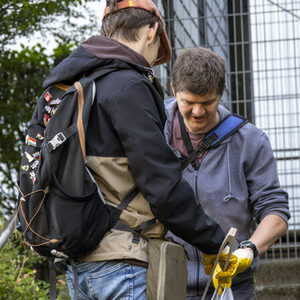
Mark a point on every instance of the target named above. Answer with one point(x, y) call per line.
point(250, 131)
point(247, 132)
point(170, 107)
point(170, 102)
point(120, 78)
point(251, 142)
point(123, 84)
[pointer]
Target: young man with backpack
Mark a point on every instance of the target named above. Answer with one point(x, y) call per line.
point(234, 182)
point(126, 151)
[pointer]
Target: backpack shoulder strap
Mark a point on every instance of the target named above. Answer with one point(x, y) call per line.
point(101, 72)
point(216, 136)
point(227, 127)
point(187, 141)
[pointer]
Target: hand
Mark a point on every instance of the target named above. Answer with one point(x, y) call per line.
point(209, 259)
point(240, 261)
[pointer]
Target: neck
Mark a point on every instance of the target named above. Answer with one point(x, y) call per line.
point(138, 46)
point(142, 45)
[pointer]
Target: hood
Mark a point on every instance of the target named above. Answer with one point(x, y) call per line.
point(223, 112)
point(170, 108)
point(96, 52)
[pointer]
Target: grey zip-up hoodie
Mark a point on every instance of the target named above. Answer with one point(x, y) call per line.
point(235, 183)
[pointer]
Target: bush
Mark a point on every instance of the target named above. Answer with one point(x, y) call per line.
point(24, 273)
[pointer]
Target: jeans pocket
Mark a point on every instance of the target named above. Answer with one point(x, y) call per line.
point(118, 281)
point(82, 292)
point(108, 280)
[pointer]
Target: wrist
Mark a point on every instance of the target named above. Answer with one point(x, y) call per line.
point(249, 245)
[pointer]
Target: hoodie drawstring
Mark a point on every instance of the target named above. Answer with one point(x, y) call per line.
point(229, 196)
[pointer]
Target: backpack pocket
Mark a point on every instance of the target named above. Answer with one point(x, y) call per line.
point(56, 221)
point(80, 220)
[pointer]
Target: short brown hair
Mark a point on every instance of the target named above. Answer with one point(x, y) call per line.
point(125, 23)
point(199, 71)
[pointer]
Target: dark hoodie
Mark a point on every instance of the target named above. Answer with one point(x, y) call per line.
point(125, 132)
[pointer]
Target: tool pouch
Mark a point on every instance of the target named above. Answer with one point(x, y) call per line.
point(167, 270)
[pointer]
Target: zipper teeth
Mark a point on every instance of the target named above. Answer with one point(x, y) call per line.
point(196, 186)
point(196, 252)
point(196, 176)
point(203, 160)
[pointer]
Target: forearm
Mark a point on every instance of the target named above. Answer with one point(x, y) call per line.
point(267, 232)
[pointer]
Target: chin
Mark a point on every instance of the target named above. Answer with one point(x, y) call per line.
point(197, 130)
point(198, 127)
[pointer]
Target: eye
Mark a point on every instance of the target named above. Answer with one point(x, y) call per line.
point(186, 102)
point(208, 103)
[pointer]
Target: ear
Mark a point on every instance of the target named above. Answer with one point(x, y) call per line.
point(152, 33)
point(172, 87)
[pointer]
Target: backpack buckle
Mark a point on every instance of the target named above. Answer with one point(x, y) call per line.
point(57, 140)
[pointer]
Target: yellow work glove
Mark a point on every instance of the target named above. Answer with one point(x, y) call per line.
point(240, 261)
point(209, 259)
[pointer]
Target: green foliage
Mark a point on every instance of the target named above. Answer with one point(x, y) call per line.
point(62, 51)
point(58, 18)
point(21, 18)
point(21, 76)
point(22, 73)
point(21, 81)
point(22, 273)
point(18, 281)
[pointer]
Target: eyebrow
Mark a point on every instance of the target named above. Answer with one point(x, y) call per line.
point(211, 100)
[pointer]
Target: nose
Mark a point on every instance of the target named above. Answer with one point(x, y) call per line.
point(198, 110)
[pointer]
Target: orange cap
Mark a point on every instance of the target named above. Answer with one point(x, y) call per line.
point(164, 51)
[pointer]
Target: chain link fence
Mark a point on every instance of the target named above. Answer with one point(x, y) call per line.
point(260, 43)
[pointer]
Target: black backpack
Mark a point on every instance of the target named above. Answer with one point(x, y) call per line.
point(61, 210)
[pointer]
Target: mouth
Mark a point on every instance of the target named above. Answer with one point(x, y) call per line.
point(199, 119)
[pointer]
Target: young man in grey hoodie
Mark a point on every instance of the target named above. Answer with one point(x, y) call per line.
point(234, 183)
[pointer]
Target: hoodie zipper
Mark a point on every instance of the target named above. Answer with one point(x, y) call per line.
point(196, 185)
point(196, 172)
point(196, 251)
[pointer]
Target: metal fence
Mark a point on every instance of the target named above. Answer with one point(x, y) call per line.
point(260, 43)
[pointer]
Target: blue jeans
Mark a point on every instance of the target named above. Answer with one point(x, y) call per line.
point(108, 280)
